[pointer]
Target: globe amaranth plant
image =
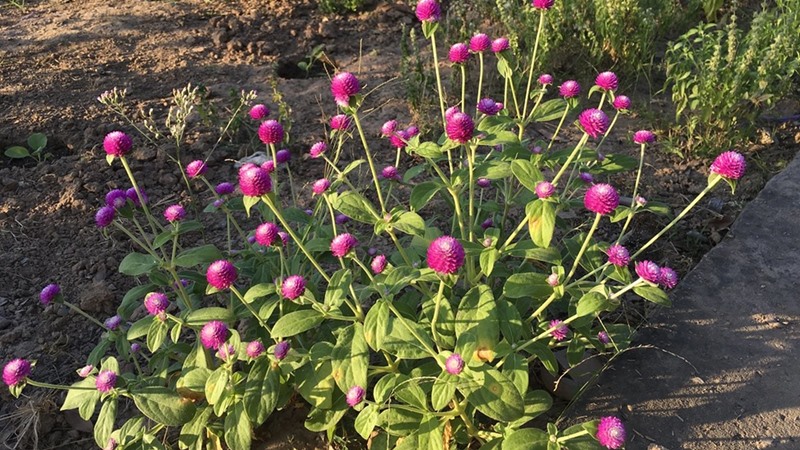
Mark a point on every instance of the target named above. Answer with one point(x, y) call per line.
point(474, 276)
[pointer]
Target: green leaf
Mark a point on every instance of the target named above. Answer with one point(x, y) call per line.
point(492, 170)
point(17, 152)
point(192, 384)
point(575, 352)
point(216, 384)
point(162, 239)
point(338, 288)
point(140, 328)
point(366, 420)
point(526, 173)
point(156, 334)
point(477, 314)
point(376, 324)
point(296, 322)
point(259, 291)
point(132, 299)
point(488, 257)
point(541, 221)
point(536, 403)
point(104, 424)
point(261, 391)
point(191, 435)
point(37, 142)
point(163, 405)
point(199, 317)
point(549, 110)
point(509, 320)
point(492, 393)
point(85, 392)
point(592, 303)
point(410, 223)
point(316, 384)
point(493, 124)
point(503, 68)
point(355, 206)
point(399, 341)
point(527, 249)
point(422, 193)
point(545, 355)
point(137, 264)
point(399, 422)
point(516, 369)
point(526, 439)
point(654, 294)
point(199, 255)
point(238, 433)
point(249, 202)
point(350, 358)
point(527, 285)
point(443, 390)
point(425, 149)
point(614, 163)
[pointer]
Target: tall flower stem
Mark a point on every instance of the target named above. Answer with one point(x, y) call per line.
point(532, 64)
point(608, 132)
point(585, 245)
point(480, 81)
point(275, 167)
point(83, 313)
point(558, 128)
point(438, 302)
point(634, 203)
point(339, 173)
point(58, 386)
point(370, 161)
point(438, 78)
point(572, 155)
point(463, 87)
point(225, 209)
point(250, 308)
point(145, 208)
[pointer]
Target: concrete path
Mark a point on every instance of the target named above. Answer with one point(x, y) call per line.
point(736, 322)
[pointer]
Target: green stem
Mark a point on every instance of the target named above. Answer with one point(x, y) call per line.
point(558, 128)
point(634, 203)
point(585, 245)
point(87, 316)
point(480, 79)
point(610, 127)
point(464, 87)
point(330, 210)
point(58, 386)
point(438, 302)
point(458, 409)
point(572, 436)
point(438, 79)
point(514, 233)
point(277, 189)
point(145, 208)
point(533, 63)
point(572, 155)
point(340, 174)
point(250, 308)
point(399, 247)
point(369, 160)
point(627, 288)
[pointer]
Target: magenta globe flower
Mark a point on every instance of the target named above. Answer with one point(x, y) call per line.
point(134, 198)
point(378, 264)
point(569, 89)
point(454, 364)
point(500, 45)
point(594, 122)
point(542, 4)
point(85, 371)
point(320, 186)
point(730, 165)
point(450, 112)
point(226, 351)
point(560, 330)
point(648, 270)
point(618, 255)
point(221, 274)
point(224, 188)
point(342, 244)
point(545, 189)
point(489, 107)
point(266, 233)
point(399, 139)
point(388, 128)
point(340, 122)
point(293, 287)
point(156, 303)
point(483, 183)
point(16, 371)
point(116, 198)
point(459, 53)
point(49, 293)
point(106, 380)
point(254, 181)
point(621, 103)
point(318, 149)
point(428, 11)
point(270, 132)
point(603, 338)
point(611, 433)
point(412, 131)
point(282, 349)
point(213, 334)
point(460, 127)
point(284, 237)
point(135, 347)
point(488, 223)
point(343, 86)
point(480, 43)
point(117, 144)
point(104, 216)
point(601, 199)
point(644, 137)
point(586, 177)
point(607, 81)
point(174, 213)
point(445, 255)
point(196, 168)
point(355, 394)
point(390, 173)
point(269, 166)
point(667, 278)
point(283, 156)
point(254, 349)
point(545, 79)
point(259, 111)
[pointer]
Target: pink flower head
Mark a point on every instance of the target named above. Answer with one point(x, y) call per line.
point(480, 43)
point(106, 380)
point(282, 349)
point(640, 201)
point(85, 371)
point(445, 255)
point(594, 122)
point(49, 293)
point(603, 338)
point(104, 216)
point(378, 264)
point(342, 244)
point(618, 255)
point(460, 127)
point(459, 53)
point(454, 364)
point(611, 433)
point(259, 111)
point(560, 332)
point(269, 166)
point(569, 89)
point(545, 79)
point(489, 107)
point(450, 112)
point(730, 165)
point(196, 168)
point(226, 351)
point(601, 199)
point(156, 303)
point(428, 11)
point(340, 122)
point(270, 132)
point(131, 194)
point(552, 280)
point(221, 274)
point(644, 137)
point(399, 139)
point(545, 189)
point(607, 81)
point(284, 237)
point(622, 102)
point(500, 45)
point(648, 270)
point(343, 86)
point(390, 173)
point(320, 186)
point(355, 394)
point(174, 213)
point(293, 287)
point(388, 128)
point(111, 444)
point(16, 371)
point(667, 278)
point(116, 198)
point(117, 143)
point(113, 322)
point(224, 188)
point(283, 156)
point(254, 181)
point(542, 4)
point(318, 149)
point(483, 183)
point(213, 334)
point(266, 233)
point(412, 131)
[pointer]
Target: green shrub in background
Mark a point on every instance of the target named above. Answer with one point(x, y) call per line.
point(337, 6)
point(723, 78)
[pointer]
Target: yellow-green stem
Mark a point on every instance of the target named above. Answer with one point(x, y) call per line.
point(533, 63)
point(370, 162)
point(438, 79)
point(572, 155)
point(585, 245)
point(558, 128)
point(437, 302)
point(634, 203)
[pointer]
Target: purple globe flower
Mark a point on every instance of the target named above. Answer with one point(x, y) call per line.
point(226, 351)
point(622, 103)
point(318, 149)
point(428, 11)
point(618, 255)
point(607, 81)
point(372, 251)
point(500, 45)
point(601, 199)
point(560, 331)
point(340, 122)
point(16, 371)
point(117, 143)
point(378, 264)
point(342, 244)
point(284, 237)
point(536, 149)
point(483, 183)
point(134, 198)
point(282, 349)
point(343, 86)
point(49, 293)
point(569, 89)
point(116, 198)
point(489, 107)
point(542, 4)
point(594, 122)
point(213, 334)
point(445, 255)
point(480, 43)
point(221, 274)
point(454, 364)
point(586, 177)
point(412, 131)
point(341, 219)
point(85, 371)
point(611, 433)
point(251, 239)
point(104, 216)
point(390, 173)
point(388, 128)
point(196, 168)
point(156, 303)
point(488, 223)
point(293, 287)
point(266, 233)
point(320, 186)
point(283, 156)
point(545, 189)
point(603, 338)
point(254, 181)
point(459, 53)
point(106, 380)
point(399, 139)
point(174, 213)
point(355, 394)
point(667, 278)
point(135, 347)
point(460, 127)
point(113, 322)
point(552, 280)
point(644, 137)
point(224, 188)
point(648, 270)
point(269, 166)
point(730, 165)
point(545, 79)
point(259, 111)
point(270, 132)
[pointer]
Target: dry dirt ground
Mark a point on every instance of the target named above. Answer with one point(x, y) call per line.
point(57, 56)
